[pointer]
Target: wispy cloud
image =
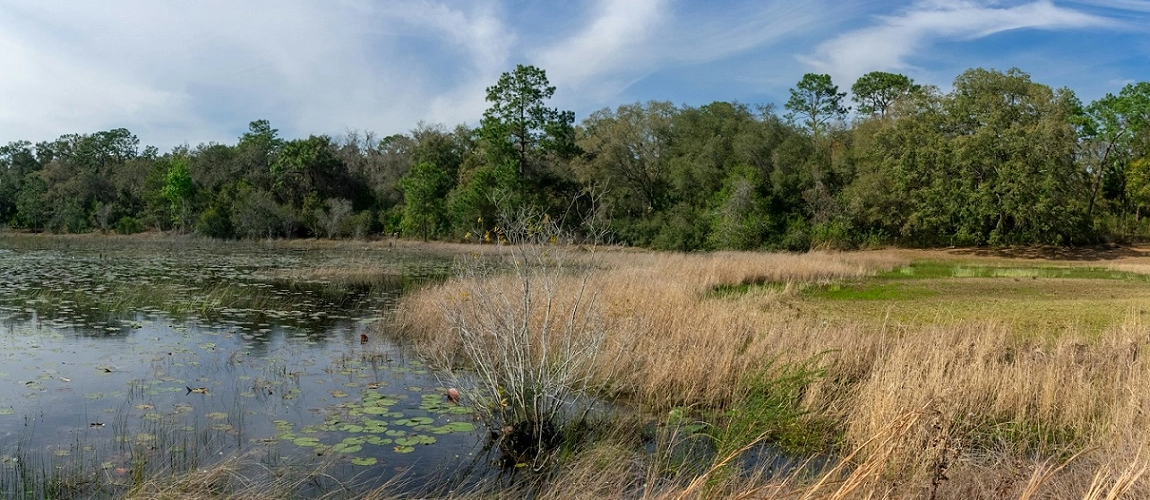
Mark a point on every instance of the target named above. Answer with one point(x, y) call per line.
point(606, 51)
point(621, 43)
point(175, 72)
point(893, 40)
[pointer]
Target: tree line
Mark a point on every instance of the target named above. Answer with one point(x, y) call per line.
point(998, 160)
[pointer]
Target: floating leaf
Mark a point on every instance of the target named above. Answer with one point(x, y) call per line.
point(346, 448)
point(217, 415)
point(404, 449)
point(364, 461)
point(413, 421)
point(306, 441)
point(459, 426)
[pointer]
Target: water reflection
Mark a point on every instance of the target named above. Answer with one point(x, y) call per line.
point(115, 365)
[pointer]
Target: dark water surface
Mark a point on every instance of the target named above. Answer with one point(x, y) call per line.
point(121, 361)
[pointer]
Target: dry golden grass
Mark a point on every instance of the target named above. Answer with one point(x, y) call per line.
point(995, 400)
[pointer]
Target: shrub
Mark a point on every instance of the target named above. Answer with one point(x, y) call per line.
point(129, 225)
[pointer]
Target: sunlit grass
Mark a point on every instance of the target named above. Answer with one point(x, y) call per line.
point(1006, 364)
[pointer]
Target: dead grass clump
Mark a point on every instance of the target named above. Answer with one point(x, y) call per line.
point(676, 347)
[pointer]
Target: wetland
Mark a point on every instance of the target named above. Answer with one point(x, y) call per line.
point(122, 359)
point(171, 367)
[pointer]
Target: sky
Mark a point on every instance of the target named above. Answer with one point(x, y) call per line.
point(192, 72)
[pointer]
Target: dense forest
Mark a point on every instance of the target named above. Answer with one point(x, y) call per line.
point(999, 160)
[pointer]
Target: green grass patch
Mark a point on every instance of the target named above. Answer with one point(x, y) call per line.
point(866, 291)
point(735, 290)
point(941, 270)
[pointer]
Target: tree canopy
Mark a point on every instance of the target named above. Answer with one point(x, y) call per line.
point(998, 160)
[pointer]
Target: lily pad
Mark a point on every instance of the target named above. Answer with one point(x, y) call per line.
point(459, 426)
point(346, 448)
point(364, 461)
point(414, 440)
point(306, 441)
point(413, 421)
point(378, 441)
point(403, 449)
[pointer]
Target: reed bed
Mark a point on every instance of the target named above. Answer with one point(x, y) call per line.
point(967, 409)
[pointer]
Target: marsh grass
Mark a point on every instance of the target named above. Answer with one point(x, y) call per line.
point(1000, 389)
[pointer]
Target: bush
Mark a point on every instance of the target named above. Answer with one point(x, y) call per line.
point(214, 223)
point(531, 337)
point(129, 225)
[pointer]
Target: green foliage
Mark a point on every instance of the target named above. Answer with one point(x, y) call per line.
point(214, 223)
point(32, 211)
point(129, 225)
point(740, 216)
point(425, 188)
point(768, 410)
point(1000, 160)
point(817, 100)
point(877, 91)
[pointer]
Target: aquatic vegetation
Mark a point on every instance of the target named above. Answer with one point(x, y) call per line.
point(155, 361)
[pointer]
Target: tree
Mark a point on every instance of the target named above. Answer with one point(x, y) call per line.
point(1011, 177)
point(519, 122)
point(16, 161)
point(1114, 131)
point(332, 220)
point(257, 151)
point(818, 100)
point(626, 151)
point(877, 91)
point(178, 190)
point(306, 166)
point(425, 188)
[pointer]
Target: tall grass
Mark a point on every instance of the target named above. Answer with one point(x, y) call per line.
point(997, 412)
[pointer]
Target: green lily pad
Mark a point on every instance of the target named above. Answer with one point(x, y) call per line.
point(217, 415)
point(403, 449)
point(7, 411)
point(413, 421)
point(352, 428)
point(459, 426)
point(364, 461)
point(346, 448)
point(306, 441)
point(414, 440)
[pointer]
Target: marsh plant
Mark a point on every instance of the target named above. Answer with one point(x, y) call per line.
point(530, 336)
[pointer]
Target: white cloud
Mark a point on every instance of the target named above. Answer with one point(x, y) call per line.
point(889, 44)
point(623, 42)
point(609, 44)
point(198, 71)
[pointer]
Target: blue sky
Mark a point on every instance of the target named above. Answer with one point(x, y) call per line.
point(176, 72)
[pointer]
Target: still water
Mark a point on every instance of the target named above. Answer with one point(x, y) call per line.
point(121, 362)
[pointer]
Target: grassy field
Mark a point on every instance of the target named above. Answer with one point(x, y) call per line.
point(932, 374)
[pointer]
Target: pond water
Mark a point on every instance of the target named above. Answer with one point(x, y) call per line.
point(119, 362)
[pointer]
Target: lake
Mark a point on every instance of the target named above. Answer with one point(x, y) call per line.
point(125, 358)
